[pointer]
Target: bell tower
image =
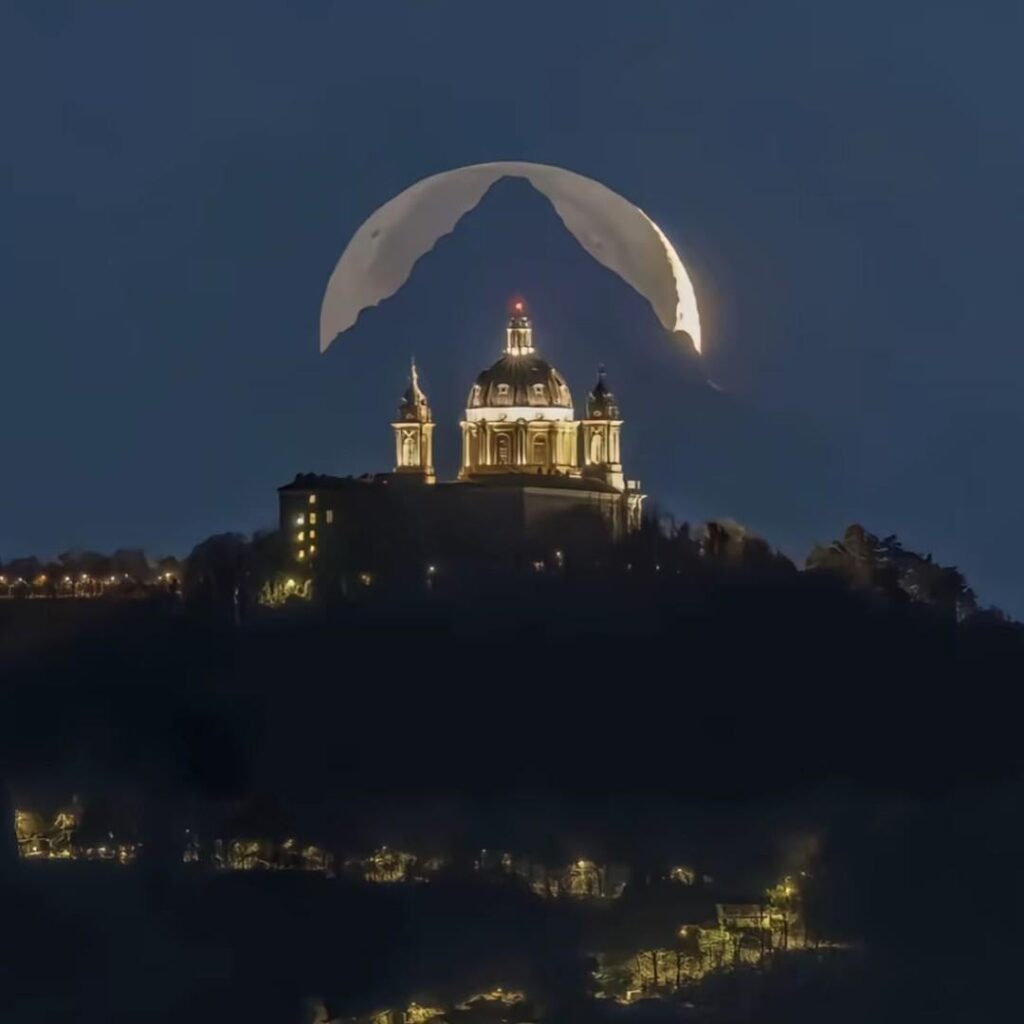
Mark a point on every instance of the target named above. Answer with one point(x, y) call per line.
point(414, 432)
point(600, 436)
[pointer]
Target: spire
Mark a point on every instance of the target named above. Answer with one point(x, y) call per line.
point(601, 404)
point(519, 336)
point(414, 405)
point(414, 432)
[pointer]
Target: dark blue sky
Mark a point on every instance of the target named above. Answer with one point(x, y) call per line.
point(845, 182)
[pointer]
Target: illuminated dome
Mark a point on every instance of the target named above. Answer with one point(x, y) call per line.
point(519, 415)
point(520, 379)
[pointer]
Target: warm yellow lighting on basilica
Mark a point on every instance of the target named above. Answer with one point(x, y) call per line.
point(414, 432)
point(528, 464)
point(520, 419)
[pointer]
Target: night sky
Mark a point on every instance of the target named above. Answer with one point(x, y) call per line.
point(845, 183)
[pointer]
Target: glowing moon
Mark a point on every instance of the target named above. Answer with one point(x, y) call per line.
point(380, 256)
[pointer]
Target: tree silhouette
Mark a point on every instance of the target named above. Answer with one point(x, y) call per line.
point(884, 565)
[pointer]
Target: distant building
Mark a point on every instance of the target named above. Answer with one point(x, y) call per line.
point(581, 879)
point(533, 484)
point(754, 916)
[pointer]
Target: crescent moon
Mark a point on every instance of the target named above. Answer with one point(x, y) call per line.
point(381, 254)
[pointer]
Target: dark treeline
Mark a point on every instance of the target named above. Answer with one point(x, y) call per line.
point(227, 576)
point(75, 565)
point(684, 697)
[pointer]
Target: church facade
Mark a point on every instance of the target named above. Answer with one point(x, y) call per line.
point(533, 481)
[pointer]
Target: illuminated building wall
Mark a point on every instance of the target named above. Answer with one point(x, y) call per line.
point(533, 480)
point(414, 432)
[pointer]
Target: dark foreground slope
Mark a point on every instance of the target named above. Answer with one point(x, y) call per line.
point(629, 717)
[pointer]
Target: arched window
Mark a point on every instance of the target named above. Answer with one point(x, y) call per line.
point(503, 450)
point(409, 454)
point(597, 447)
point(540, 450)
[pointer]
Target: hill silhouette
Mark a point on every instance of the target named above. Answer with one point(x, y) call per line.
point(705, 701)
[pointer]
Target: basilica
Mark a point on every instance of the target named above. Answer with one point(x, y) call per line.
point(533, 483)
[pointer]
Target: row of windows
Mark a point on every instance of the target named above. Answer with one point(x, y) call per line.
point(599, 450)
point(503, 449)
point(301, 520)
point(309, 519)
point(503, 391)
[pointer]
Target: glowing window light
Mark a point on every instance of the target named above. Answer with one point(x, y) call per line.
point(312, 549)
point(312, 499)
point(312, 534)
point(300, 520)
point(329, 515)
point(301, 536)
point(301, 555)
point(312, 518)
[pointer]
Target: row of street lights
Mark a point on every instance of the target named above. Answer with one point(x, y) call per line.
point(80, 585)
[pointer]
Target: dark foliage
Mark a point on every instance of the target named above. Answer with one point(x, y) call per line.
point(698, 698)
